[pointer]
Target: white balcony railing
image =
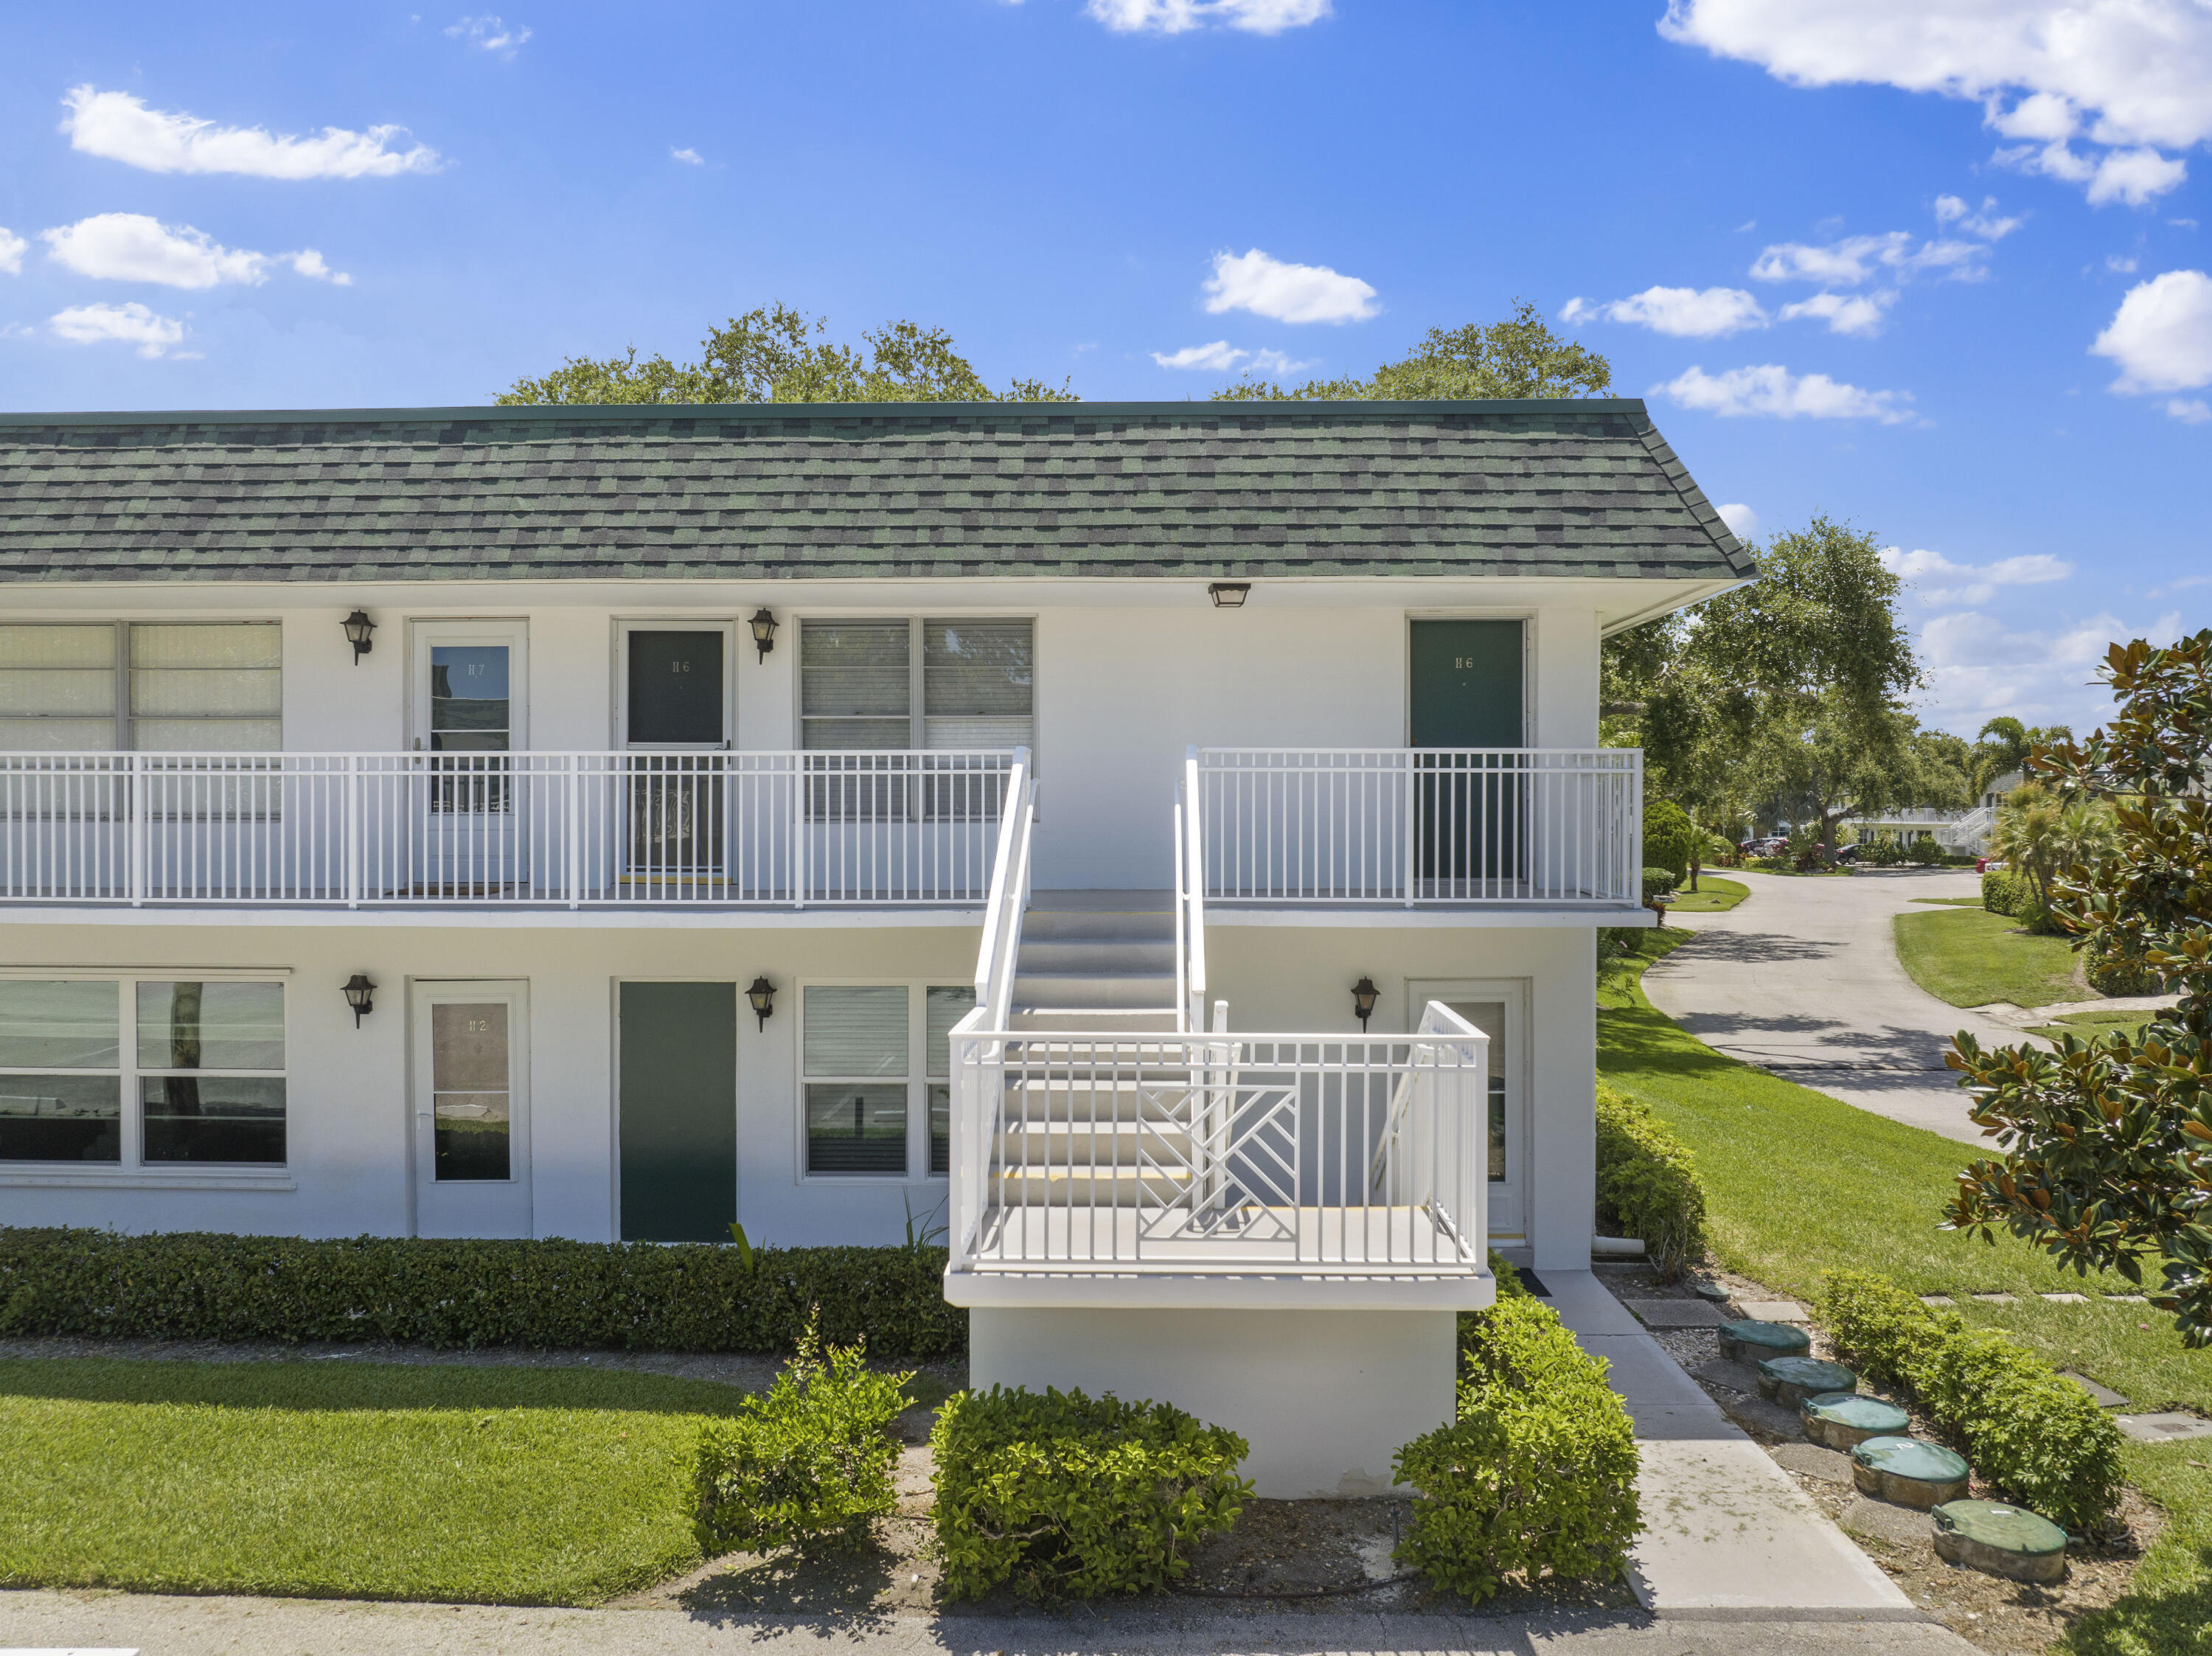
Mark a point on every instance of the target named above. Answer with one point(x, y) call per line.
point(569, 830)
point(1423, 825)
point(1189, 1153)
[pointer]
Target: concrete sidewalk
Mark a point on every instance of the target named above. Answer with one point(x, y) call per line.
point(162, 1626)
point(1727, 1532)
point(1802, 977)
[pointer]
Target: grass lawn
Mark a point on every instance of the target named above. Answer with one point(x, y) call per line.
point(1970, 957)
point(1713, 894)
point(1801, 1184)
point(560, 1486)
point(1952, 902)
point(2086, 1024)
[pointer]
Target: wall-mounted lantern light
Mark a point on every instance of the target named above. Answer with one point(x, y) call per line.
point(760, 995)
point(358, 626)
point(1229, 594)
point(1364, 994)
point(361, 995)
point(763, 626)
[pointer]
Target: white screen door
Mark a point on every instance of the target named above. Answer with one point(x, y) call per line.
point(469, 711)
point(471, 1097)
point(1499, 1010)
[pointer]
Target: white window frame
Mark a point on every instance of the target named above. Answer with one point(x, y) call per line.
point(915, 694)
point(131, 1167)
point(125, 719)
point(618, 732)
point(916, 1079)
point(514, 993)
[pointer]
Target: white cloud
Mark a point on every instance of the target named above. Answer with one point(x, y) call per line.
point(132, 247)
point(1742, 521)
point(1859, 314)
point(490, 34)
point(689, 157)
point(1221, 357)
point(1218, 357)
point(11, 252)
point(1977, 668)
point(1971, 583)
point(1851, 260)
point(1981, 221)
point(2161, 335)
point(132, 323)
point(1286, 293)
point(2190, 411)
point(1181, 16)
point(2119, 264)
point(2133, 77)
point(308, 263)
point(2137, 177)
point(118, 127)
point(1684, 313)
point(1772, 389)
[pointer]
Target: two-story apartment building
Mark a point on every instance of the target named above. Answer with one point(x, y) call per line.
point(1162, 843)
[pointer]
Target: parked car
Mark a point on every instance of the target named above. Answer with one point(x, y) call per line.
point(1847, 855)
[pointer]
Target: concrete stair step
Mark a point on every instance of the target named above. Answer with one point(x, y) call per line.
point(1147, 1098)
point(1094, 991)
point(1086, 955)
point(1077, 1146)
point(1082, 1187)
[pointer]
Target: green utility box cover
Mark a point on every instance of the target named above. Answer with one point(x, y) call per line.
point(1844, 1420)
point(1908, 1471)
point(1790, 1381)
point(1747, 1342)
point(1999, 1540)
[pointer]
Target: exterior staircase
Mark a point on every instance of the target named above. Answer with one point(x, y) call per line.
point(1085, 1126)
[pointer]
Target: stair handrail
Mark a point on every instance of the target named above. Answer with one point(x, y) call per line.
point(1191, 986)
point(1182, 896)
point(974, 1125)
point(1009, 895)
point(1436, 1019)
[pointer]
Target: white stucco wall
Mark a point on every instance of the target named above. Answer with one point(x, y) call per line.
point(1325, 1398)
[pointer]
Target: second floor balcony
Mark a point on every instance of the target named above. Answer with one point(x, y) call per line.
point(1497, 828)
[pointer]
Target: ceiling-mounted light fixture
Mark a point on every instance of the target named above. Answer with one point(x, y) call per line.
point(763, 626)
point(358, 626)
point(1229, 594)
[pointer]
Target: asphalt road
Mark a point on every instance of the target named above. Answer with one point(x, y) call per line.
point(1802, 977)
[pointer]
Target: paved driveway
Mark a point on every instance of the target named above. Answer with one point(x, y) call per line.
point(1802, 977)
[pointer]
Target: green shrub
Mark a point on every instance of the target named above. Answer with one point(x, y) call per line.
point(2111, 970)
point(1647, 1183)
point(1657, 880)
point(1884, 852)
point(809, 1463)
point(1536, 1476)
point(1066, 1496)
point(2041, 1439)
point(1669, 837)
point(690, 1296)
point(1926, 851)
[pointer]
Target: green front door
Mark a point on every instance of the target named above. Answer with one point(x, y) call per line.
point(679, 1111)
point(1469, 807)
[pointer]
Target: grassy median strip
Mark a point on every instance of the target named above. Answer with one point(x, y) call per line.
point(1798, 1184)
point(341, 1479)
point(1712, 895)
point(1970, 957)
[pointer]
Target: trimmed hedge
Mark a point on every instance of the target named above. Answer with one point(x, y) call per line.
point(809, 1463)
point(1536, 1478)
point(1068, 1496)
point(1647, 1183)
point(2041, 1439)
point(688, 1296)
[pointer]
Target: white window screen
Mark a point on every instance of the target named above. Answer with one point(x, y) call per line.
point(976, 684)
point(855, 684)
point(214, 688)
point(856, 1055)
point(57, 689)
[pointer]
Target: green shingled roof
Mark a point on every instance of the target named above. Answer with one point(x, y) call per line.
point(857, 491)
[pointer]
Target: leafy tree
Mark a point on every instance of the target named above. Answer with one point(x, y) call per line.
point(2040, 832)
point(2107, 1143)
point(1670, 840)
point(776, 355)
point(1522, 357)
point(2004, 746)
point(1840, 762)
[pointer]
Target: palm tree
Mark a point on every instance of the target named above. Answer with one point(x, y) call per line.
point(2005, 745)
point(2040, 835)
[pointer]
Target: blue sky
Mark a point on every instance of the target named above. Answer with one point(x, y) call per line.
point(1935, 266)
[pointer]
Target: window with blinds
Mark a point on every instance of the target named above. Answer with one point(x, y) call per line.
point(163, 687)
point(907, 684)
point(868, 1065)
